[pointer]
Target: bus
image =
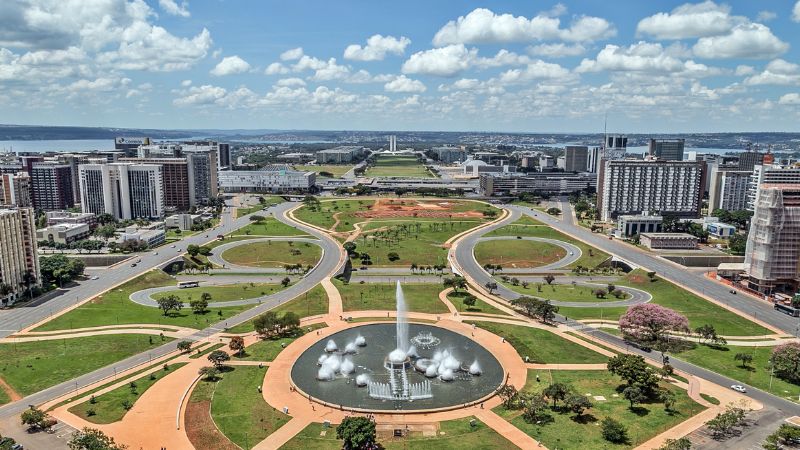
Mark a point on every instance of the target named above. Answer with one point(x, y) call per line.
point(188, 284)
point(792, 311)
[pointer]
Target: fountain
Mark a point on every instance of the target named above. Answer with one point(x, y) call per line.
point(331, 347)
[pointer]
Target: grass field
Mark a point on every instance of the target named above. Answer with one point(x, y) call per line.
point(337, 170)
point(453, 435)
point(420, 297)
point(223, 293)
point(240, 411)
point(30, 367)
point(457, 298)
point(268, 227)
point(527, 226)
point(343, 209)
point(563, 292)
point(312, 303)
point(268, 349)
point(398, 166)
point(517, 253)
point(644, 422)
point(273, 254)
point(115, 308)
point(542, 346)
point(108, 407)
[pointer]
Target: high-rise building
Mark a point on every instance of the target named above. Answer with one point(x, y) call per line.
point(129, 145)
point(51, 186)
point(224, 155)
point(769, 174)
point(124, 190)
point(203, 178)
point(178, 193)
point(576, 158)
point(748, 160)
point(392, 143)
point(593, 159)
point(728, 189)
point(668, 149)
point(773, 243)
point(19, 263)
point(632, 186)
point(15, 189)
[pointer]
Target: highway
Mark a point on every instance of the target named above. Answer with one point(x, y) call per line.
point(331, 262)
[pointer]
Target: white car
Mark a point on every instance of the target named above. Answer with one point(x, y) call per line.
point(94, 278)
point(739, 388)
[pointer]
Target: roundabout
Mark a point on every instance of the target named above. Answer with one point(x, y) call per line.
point(218, 256)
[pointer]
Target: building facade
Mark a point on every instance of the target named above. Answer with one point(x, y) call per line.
point(491, 184)
point(668, 241)
point(268, 179)
point(19, 262)
point(728, 189)
point(15, 189)
point(770, 174)
point(64, 233)
point(667, 149)
point(124, 190)
point(51, 186)
point(576, 158)
point(628, 226)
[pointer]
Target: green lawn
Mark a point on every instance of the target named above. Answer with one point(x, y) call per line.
point(273, 254)
point(225, 293)
point(643, 423)
point(420, 297)
point(268, 227)
point(527, 226)
point(563, 292)
point(421, 247)
point(4, 398)
point(268, 200)
point(453, 435)
point(518, 253)
point(324, 216)
point(240, 411)
point(457, 298)
point(268, 349)
point(108, 407)
point(337, 170)
point(312, 303)
point(115, 308)
point(30, 367)
point(755, 374)
point(542, 346)
point(398, 166)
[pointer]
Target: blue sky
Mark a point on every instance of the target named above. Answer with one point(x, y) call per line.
point(529, 66)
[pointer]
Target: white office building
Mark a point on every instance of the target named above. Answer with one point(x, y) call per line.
point(124, 190)
point(728, 189)
point(268, 179)
point(18, 254)
point(769, 174)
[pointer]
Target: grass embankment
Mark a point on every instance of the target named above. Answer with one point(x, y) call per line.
point(337, 170)
point(518, 253)
point(224, 293)
point(564, 292)
point(115, 308)
point(398, 166)
point(643, 422)
point(541, 346)
point(30, 367)
point(268, 227)
point(453, 435)
point(273, 254)
point(313, 302)
point(457, 298)
point(110, 407)
point(268, 349)
point(420, 297)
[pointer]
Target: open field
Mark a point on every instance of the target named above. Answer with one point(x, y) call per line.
point(108, 407)
point(268, 227)
point(240, 411)
point(115, 308)
point(542, 346)
point(420, 297)
point(273, 254)
point(328, 213)
point(453, 435)
point(457, 298)
point(32, 366)
point(563, 292)
point(337, 170)
point(398, 166)
point(518, 253)
point(223, 293)
point(312, 303)
point(527, 226)
point(643, 422)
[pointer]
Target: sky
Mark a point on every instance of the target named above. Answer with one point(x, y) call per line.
point(509, 66)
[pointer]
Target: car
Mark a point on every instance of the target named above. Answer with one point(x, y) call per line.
point(133, 265)
point(172, 246)
point(739, 388)
point(155, 254)
point(94, 278)
point(17, 447)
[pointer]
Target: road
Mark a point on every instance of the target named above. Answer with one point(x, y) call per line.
point(330, 264)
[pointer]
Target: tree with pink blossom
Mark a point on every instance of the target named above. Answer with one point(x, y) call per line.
point(651, 324)
point(786, 361)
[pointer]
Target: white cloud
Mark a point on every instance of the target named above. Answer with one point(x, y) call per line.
point(289, 82)
point(559, 50)
point(796, 12)
point(172, 7)
point(377, 47)
point(690, 21)
point(766, 16)
point(777, 72)
point(537, 70)
point(743, 70)
point(752, 40)
point(445, 61)
point(201, 95)
point(230, 65)
point(276, 68)
point(323, 70)
point(292, 54)
point(792, 98)
point(640, 57)
point(483, 26)
point(186, 83)
point(404, 84)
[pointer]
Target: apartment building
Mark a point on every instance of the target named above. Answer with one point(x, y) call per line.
point(124, 190)
point(19, 263)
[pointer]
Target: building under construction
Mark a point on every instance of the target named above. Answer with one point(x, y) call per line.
point(773, 245)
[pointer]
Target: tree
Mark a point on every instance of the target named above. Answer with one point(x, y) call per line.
point(635, 371)
point(509, 395)
point(349, 247)
point(393, 256)
point(59, 269)
point(785, 436)
point(651, 275)
point(490, 286)
point(614, 431)
point(169, 303)
point(599, 293)
point(218, 358)
point(356, 432)
point(285, 281)
point(470, 300)
point(266, 324)
point(199, 305)
point(237, 344)
point(193, 250)
point(556, 392)
point(578, 404)
point(553, 211)
point(34, 418)
point(737, 244)
point(535, 408)
point(667, 397)
point(650, 324)
point(786, 361)
point(634, 395)
point(93, 439)
point(459, 283)
point(745, 358)
point(185, 346)
point(543, 310)
point(549, 279)
point(676, 444)
point(209, 372)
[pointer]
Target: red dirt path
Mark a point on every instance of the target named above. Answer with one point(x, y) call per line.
point(388, 208)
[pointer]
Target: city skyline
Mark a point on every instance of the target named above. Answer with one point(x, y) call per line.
point(504, 66)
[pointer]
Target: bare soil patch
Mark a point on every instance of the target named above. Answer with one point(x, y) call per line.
point(392, 208)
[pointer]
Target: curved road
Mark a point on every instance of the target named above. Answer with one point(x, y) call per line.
point(216, 256)
point(572, 255)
